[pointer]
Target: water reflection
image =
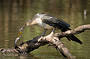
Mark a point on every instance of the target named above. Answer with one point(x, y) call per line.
point(13, 14)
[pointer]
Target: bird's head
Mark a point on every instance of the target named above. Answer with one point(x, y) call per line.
point(36, 19)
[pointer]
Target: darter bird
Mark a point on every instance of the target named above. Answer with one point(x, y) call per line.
point(49, 22)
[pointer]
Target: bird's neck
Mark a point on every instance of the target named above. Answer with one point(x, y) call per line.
point(39, 21)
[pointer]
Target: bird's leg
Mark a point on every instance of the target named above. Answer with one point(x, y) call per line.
point(53, 30)
point(43, 34)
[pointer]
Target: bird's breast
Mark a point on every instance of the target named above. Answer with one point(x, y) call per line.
point(44, 25)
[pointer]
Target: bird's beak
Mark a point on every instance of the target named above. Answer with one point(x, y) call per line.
point(30, 23)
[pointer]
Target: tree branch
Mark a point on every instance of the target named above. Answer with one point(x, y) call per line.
point(53, 38)
point(77, 30)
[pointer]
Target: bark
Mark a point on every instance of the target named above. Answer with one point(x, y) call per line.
point(52, 38)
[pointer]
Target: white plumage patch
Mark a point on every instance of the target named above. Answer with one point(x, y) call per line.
point(39, 21)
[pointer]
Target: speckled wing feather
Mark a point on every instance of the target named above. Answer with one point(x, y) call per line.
point(52, 21)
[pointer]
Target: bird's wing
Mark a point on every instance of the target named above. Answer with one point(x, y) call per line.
point(52, 21)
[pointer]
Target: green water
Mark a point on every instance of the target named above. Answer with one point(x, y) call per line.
point(14, 13)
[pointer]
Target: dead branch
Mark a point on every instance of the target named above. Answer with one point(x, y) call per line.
point(53, 38)
point(58, 45)
point(77, 30)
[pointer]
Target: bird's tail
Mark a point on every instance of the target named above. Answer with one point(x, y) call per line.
point(71, 37)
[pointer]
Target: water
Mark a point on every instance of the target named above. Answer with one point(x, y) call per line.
point(14, 13)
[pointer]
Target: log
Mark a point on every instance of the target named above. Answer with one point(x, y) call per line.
point(52, 38)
